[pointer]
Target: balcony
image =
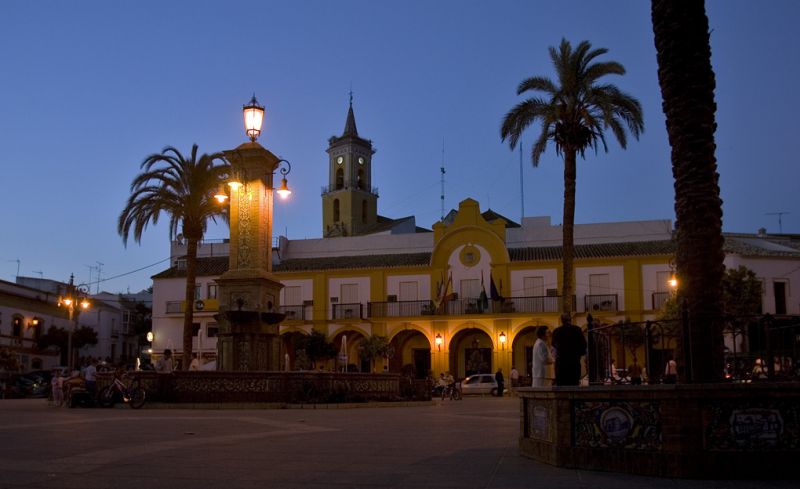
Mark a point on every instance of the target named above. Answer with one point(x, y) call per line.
point(349, 186)
point(399, 309)
point(205, 305)
point(294, 313)
point(601, 302)
point(659, 298)
point(458, 307)
point(347, 311)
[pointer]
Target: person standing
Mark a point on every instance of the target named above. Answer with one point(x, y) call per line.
point(514, 376)
point(90, 377)
point(570, 346)
point(165, 364)
point(541, 357)
point(635, 372)
point(500, 382)
point(671, 372)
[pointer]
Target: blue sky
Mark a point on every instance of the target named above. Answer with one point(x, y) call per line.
point(89, 89)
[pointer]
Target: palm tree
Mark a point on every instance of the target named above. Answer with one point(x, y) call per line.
point(574, 112)
point(687, 90)
point(182, 188)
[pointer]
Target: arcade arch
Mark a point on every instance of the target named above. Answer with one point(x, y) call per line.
point(471, 352)
point(411, 347)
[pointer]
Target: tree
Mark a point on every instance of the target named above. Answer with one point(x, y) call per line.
point(182, 188)
point(315, 347)
point(59, 337)
point(141, 318)
point(374, 347)
point(687, 90)
point(574, 113)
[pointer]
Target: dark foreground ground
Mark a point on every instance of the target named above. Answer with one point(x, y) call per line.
point(466, 444)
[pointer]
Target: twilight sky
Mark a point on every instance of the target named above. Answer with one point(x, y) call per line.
point(89, 89)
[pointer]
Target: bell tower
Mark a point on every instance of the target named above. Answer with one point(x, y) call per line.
point(349, 201)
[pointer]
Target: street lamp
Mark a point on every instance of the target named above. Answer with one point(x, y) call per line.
point(75, 300)
point(503, 340)
point(253, 118)
point(438, 341)
point(283, 190)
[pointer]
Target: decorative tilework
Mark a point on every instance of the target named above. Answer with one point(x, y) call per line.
point(754, 425)
point(617, 424)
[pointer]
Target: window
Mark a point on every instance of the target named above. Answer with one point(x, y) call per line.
point(212, 291)
point(409, 291)
point(662, 281)
point(195, 329)
point(335, 210)
point(470, 288)
point(196, 291)
point(364, 211)
point(779, 287)
point(599, 284)
point(361, 184)
point(349, 294)
point(16, 329)
point(292, 296)
point(212, 330)
point(339, 179)
point(533, 286)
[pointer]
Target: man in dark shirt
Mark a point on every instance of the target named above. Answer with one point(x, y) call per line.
point(570, 346)
point(500, 382)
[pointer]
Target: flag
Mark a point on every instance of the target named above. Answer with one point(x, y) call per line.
point(493, 292)
point(483, 301)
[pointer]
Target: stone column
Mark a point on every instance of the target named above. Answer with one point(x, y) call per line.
point(249, 294)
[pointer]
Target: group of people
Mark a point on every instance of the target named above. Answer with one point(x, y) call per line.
point(568, 346)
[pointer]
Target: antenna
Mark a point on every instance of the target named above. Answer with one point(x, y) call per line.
point(780, 222)
point(18, 263)
point(91, 268)
point(99, 271)
point(441, 169)
point(521, 186)
point(41, 274)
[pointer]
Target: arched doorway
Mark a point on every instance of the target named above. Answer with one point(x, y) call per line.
point(522, 353)
point(347, 345)
point(289, 346)
point(411, 348)
point(471, 353)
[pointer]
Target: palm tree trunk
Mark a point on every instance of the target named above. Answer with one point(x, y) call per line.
point(188, 316)
point(687, 88)
point(567, 275)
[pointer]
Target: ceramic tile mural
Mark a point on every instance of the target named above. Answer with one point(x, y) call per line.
point(754, 425)
point(540, 421)
point(617, 424)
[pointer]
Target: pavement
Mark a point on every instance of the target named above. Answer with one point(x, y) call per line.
point(449, 444)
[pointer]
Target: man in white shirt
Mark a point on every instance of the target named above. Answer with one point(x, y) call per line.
point(165, 364)
point(541, 357)
point(90, 377)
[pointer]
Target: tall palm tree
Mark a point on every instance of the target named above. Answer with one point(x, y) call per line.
point(574, 112)
point(183, 188)
point(687, 90)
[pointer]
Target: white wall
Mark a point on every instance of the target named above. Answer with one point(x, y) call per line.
point(650, 282)
point(459, 271)
point(769, 270)
point(423, 285)
point(550, 276)
point(616, 284)
point(334, 289)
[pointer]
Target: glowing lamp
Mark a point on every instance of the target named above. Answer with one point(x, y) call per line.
point(253, 118)
point(673, 282)
point(150, 336)
point(438, 341)
point(67, 301)
point(84, 304)
point(221, 196)
point(503, 338)
point(283, 190)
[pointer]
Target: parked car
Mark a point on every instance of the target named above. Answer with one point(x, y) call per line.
point(479, 384)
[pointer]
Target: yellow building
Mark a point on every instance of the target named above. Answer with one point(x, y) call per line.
point(464, 297)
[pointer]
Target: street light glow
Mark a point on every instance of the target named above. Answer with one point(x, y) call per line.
point(253, 118)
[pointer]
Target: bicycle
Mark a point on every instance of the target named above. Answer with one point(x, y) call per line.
point(132, 393)
point(451, 391)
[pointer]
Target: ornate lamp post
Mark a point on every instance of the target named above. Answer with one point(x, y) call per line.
point(249, 293)
point(74, 300)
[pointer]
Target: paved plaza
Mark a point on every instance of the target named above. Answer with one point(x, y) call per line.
point(466, 444)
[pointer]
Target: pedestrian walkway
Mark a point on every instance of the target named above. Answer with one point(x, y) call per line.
point(452, 444)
